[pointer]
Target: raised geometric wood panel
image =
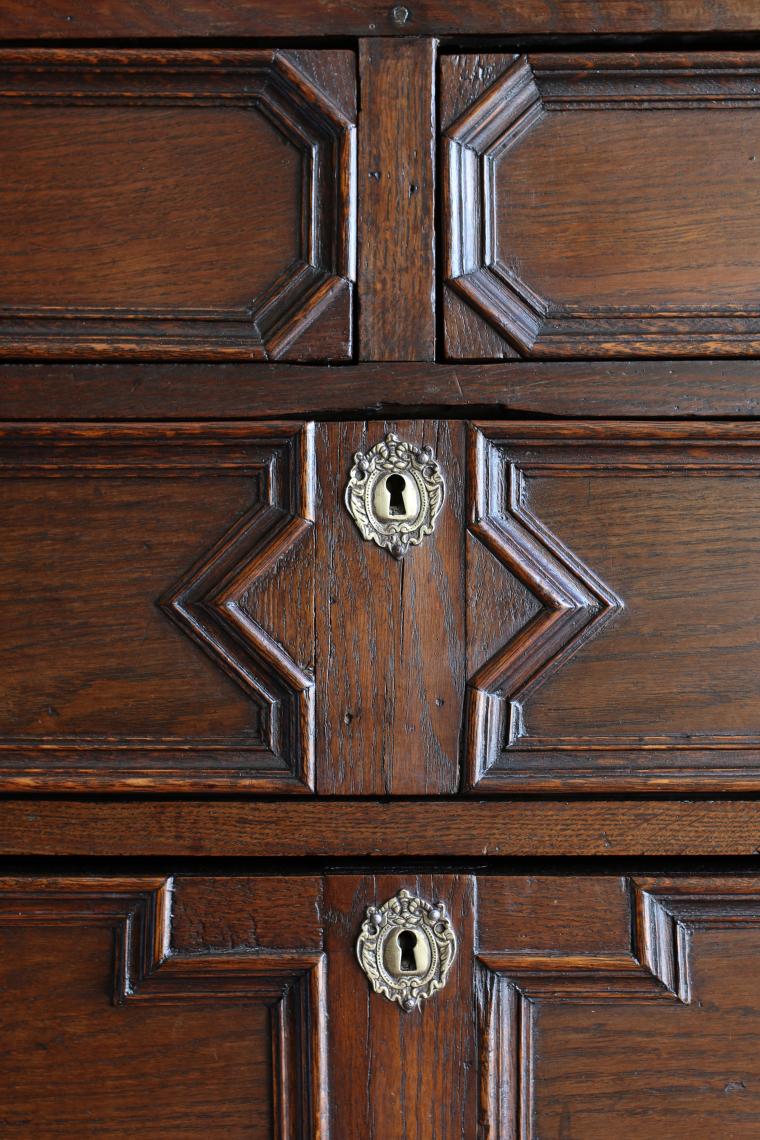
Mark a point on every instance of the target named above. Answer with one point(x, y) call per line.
point(580, 1006)
point(641, 542)
point(111, 1026)
point(589, 1031)
point(121, 547)
point(177, 203)
point(602, 205)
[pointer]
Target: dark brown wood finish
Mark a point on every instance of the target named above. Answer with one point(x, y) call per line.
point(56, 19)
point(624, 533)
point(128, 391)
point(177, 203)
point(638, 1028)
point(603, 205)
point(578, 1006)
point(121, 547)
point(434, 828)
point(229, 724)
point(397, 200)
point(390, 673)
point(403, 1074)
point(205, 1043)
point(540, 639)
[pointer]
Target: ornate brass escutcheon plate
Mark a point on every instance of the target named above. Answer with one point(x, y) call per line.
point(395, 493)
point(406, 948)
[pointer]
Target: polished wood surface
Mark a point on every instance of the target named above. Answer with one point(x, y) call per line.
point(426, 1081)
point(127, 391)
point(579, 1006)
point(397, 238)
point(390, 631)
point(57, 19)
point(170, 203)
point(644, 1028)
point(204, 1043)
point(613, 683)
point(541, 639)
point(122, 547)
point(603, 205)
point(555, 829)
point(240, 245)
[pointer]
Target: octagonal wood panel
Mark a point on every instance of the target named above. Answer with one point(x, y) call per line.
point(601, 206)
point(165, 203)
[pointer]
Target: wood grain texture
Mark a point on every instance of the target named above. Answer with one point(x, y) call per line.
point(204, 1043)
point(170, 203)
point(578, 1005)
point(128, 391)
point(397, 200)
point(56, 19)
point(375, 829)
point(583, 220)
point(663, 1068)
point(658, 700)
point(108, 533)
point(391, 668)
point(395, 1067)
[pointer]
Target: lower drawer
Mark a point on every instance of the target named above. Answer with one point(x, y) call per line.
point(572, 1006)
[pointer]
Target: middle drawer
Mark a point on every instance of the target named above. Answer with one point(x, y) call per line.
point(545, 607)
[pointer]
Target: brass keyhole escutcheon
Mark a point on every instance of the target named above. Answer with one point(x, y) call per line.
point(395, 493)
point(406, 948)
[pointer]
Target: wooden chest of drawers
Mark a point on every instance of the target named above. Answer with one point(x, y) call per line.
point(380, 571)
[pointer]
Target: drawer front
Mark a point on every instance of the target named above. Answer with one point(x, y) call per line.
point(582, 1006)
point(602, 205)
point(162, 204)
point(194, 608)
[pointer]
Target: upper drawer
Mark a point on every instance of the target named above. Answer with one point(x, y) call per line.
point(177, 203)
point(600, 206)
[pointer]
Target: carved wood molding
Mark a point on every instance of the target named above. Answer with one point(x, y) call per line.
point(208, 605)
point(213, 603)
point(500, 117)
point(507, 756)
point(146, 969)
point(494, 122)
point(576, 604)
point(511, 986)
point(306, 313)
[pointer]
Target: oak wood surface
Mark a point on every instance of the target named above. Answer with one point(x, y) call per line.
point(187, 607)
point(583, 219)
point(128, 391)
point(647, 1033)
point(111, 1030)
point(396, 165)
point(578, 1005)
point(162, 203)
point(558, 585)
point(434, 828)
point(613, 675)
point(394, 1072)
point(103, 18)
point(121, 548)
point(390, 632)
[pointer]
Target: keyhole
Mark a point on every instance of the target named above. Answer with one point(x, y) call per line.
point(396, 485)
point(407, 941)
